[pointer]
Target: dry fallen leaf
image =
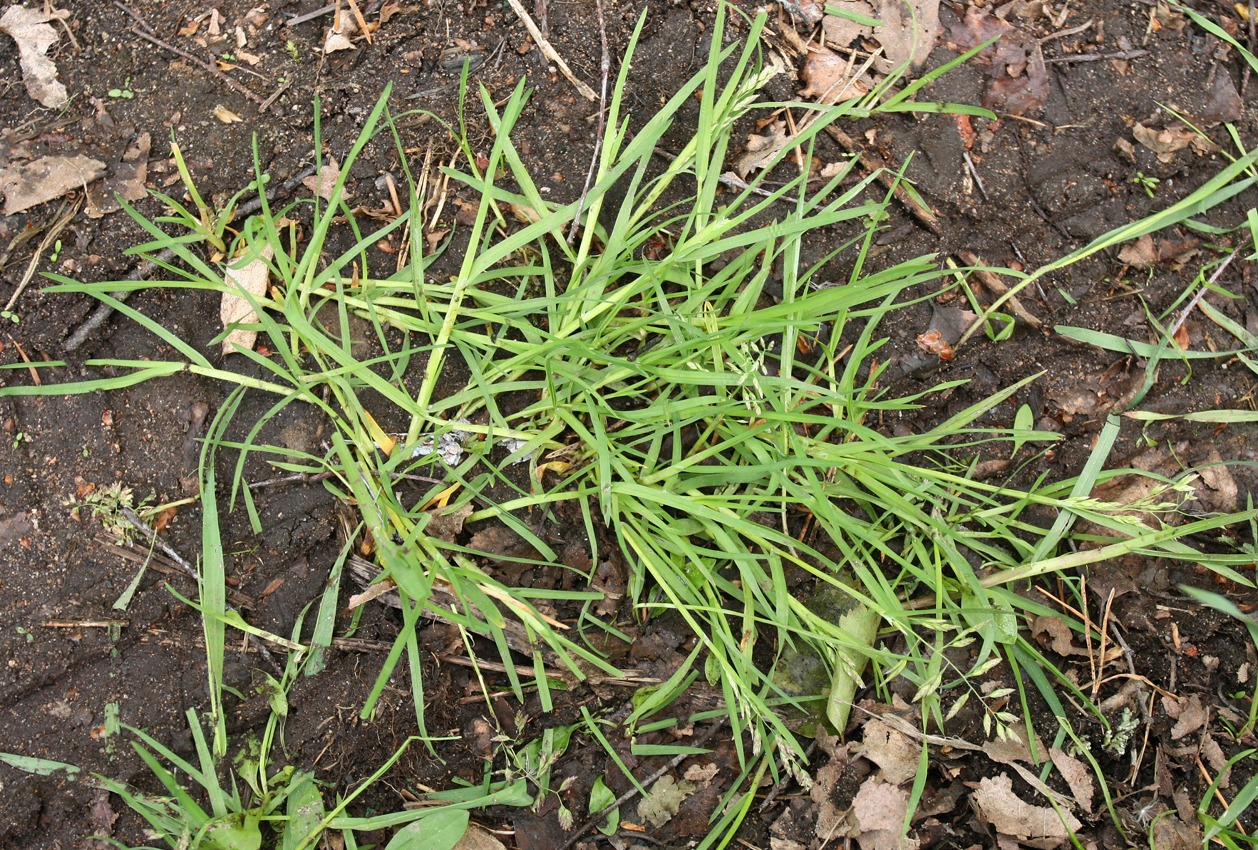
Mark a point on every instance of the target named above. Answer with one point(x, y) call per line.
point(828, 77)
point(1166, 142)
point(762, 149)
point(25, 186)
point(1187, 712)
point(126, 181)
point(1034, 826)
point(233, 308)
point(324, 182)
point(1077, 776)
point(907, 35)
point(31, 29)
point(891, 750)
point(880, 809)
point(222, 113)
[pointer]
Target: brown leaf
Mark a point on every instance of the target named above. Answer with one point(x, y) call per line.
point(1054, 633)
point(234, 308)
point(1077, 776)
point(1187, 712)
point(880, 809)
point(1164, 142)
point(447, 524)
point(763, 149)
point(891, 750)
point(828, 76)
point(127, 180)
point(1034, 826)
point(324, 182)
point(26, 186)
point(31, 29)
point(907, 35)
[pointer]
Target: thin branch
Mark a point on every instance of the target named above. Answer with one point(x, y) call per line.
point(606, 68)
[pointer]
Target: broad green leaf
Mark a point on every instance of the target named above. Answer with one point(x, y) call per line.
point(440, 830)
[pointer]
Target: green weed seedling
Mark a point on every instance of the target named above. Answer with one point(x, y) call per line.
point(717, 436)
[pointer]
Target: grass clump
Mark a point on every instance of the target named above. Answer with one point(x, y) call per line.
point(728, 441)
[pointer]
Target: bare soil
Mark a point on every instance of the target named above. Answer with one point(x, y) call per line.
point(1034, 188)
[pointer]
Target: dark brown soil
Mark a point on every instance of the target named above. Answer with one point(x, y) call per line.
point(1040, 187)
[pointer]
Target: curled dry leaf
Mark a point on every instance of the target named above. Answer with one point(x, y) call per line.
point(1166, 142)
point(222, 113)
point(234, 308)
point(34, 34)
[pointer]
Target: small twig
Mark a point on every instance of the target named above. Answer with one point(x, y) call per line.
point(543, 22)
point(143, 527)
point(605, 67)
point(1196, 299)
point(59, 222)
point(925, 216)
point(978, 181)
point(1066, 33)
point(600, 816)
point(85, 624)
point(550, 52)
point(315, 477)
point(266, 104)
point(310, 16)
point(103, 312)
point(1094, 57)
point(135, 16)
point(198, 61)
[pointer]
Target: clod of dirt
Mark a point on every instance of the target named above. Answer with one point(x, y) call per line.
point(31, 29)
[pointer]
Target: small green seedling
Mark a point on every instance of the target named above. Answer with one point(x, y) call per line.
point(124, 93)
point(1146, 182)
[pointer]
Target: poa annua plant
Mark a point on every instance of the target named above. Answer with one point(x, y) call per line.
point(683, 415)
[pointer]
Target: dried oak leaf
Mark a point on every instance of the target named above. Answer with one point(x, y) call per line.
point(31, 29)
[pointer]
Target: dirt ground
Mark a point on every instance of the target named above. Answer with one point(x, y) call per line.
point(1022, 190)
